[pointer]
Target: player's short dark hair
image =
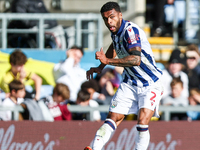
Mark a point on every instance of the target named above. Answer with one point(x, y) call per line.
point(90, 84)
point(62, 90)
point(16, 85)
point(83, 95)
point(79, 48)
point(17, 57)
point(109, 6)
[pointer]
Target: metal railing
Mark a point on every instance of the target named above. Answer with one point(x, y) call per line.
point(87, 109)
point(15, 111)
point(168, 110)
point(94, 26)
point(165, 110)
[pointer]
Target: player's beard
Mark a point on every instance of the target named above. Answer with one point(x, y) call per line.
point(117, 27)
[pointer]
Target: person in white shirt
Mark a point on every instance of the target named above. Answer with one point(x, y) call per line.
point(69, 71)
point(84, 99)
point(176, 99)
point(174, 70)
point(17, 94)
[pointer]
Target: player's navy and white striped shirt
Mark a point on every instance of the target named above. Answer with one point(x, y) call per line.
point(128, 36)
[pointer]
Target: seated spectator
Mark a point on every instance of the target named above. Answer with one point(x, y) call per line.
point(92, 87)
point(59, 111)
point(29, 6)
point(69, 71)
point(36, 110)
point(107, 83)
point(117, 79)
point(17, 71)
point(104, 80)
point(174, 70)
point(16, 97)
point(176, 99)
point(192, 66)
point(194, 99)
point(83, 99)
point(32, 110)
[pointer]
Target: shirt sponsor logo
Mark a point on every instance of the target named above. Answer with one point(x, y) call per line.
point(133, 39)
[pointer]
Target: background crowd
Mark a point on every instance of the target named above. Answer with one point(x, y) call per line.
point(181, 78)
point(181, 83)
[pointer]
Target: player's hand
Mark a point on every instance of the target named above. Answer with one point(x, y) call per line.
point(89, 73)
point(102, 57)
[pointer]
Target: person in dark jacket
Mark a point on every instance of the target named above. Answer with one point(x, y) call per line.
point(30, 6)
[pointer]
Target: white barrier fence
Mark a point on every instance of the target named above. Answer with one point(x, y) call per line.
point(166, 110)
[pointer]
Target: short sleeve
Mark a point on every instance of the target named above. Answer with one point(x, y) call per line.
point(132, 37)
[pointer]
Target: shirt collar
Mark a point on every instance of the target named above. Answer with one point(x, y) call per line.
point(122, 27)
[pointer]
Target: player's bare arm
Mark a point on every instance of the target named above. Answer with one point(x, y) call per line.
point(133, 59)
point(109, 54)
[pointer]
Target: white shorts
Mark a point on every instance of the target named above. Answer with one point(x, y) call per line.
point(129, 99)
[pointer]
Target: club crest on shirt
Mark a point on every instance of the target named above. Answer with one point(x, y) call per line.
point(114, 104)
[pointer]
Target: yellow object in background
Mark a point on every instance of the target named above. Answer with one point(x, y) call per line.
point(41, 68)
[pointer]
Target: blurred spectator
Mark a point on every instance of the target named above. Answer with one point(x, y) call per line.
point(17, 71)
point(192, 66)
point(29, 40)
point(30, 6)
point(107, 81)
point(174, 70)
point(91, 86)
point(69, 71)
point(32, 110)
point(17, 93)
point(160, 27)
point(117, 71)
point(194, 99)
point(59, 111)
point(176, 99)
point(83, 99)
